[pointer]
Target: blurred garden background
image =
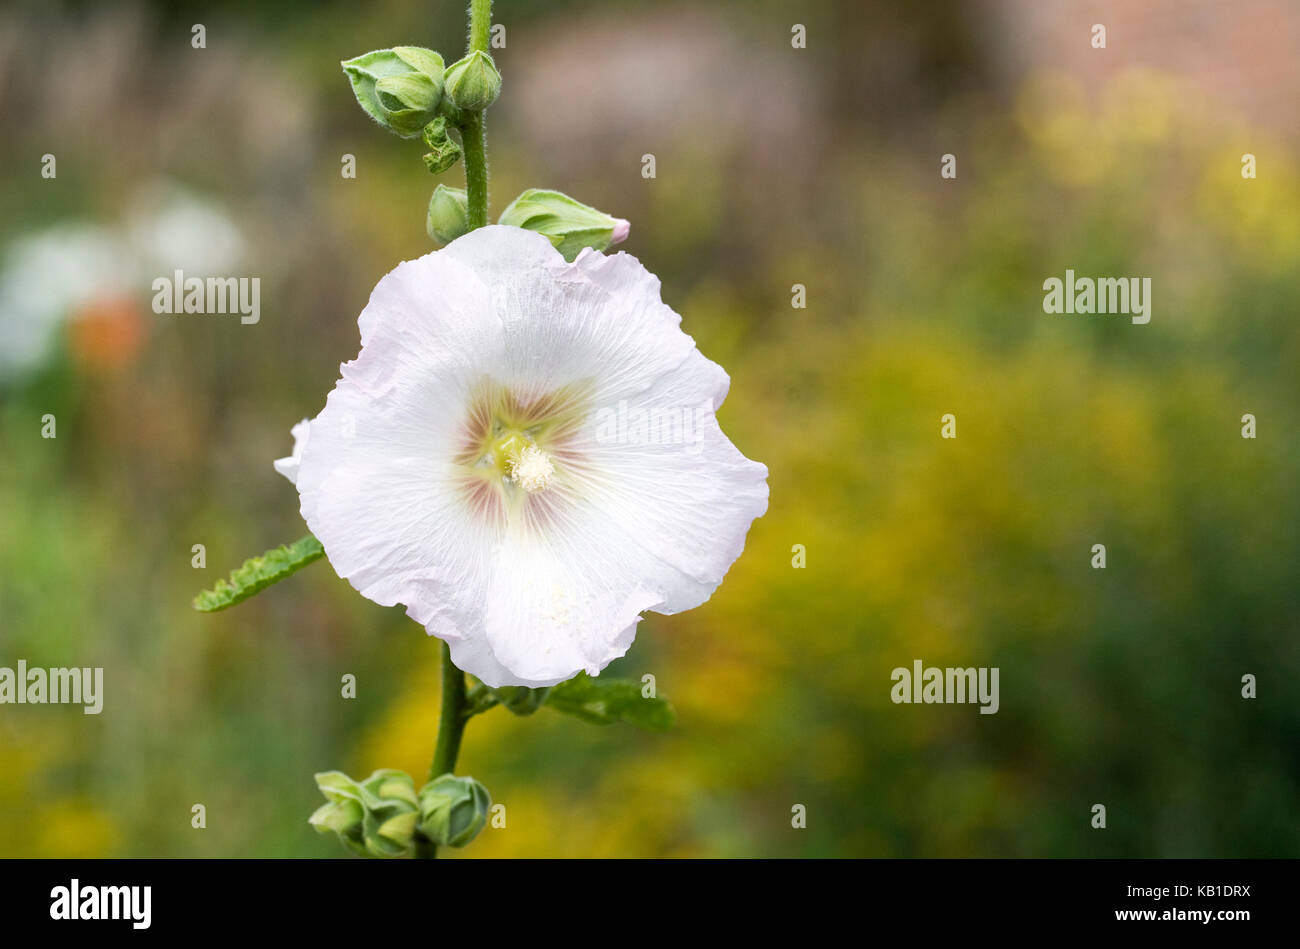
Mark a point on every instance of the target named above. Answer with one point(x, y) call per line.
point(775, 166)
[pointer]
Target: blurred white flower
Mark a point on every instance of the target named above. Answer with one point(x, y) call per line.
point(171, 229)
point(49, 275)
point(456, 469)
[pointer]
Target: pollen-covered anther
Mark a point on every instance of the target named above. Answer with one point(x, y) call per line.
point(532, 469)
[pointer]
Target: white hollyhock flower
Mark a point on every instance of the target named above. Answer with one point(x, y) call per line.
point(460, 467)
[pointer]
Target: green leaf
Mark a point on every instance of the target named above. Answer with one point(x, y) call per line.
point(603, 701)
point(443, 150)
point(258, 573)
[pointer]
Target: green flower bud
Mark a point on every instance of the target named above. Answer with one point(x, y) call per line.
point(389, 837)
point(392, 810)
point(344, 814)
point(387, 787)
point(453, 810)
point(375, 817)
point(444, 152)
point(570, 225)
point(520, 699)
point(343, 818)
point(399, 88)
point(473, 83)
point(448, 214)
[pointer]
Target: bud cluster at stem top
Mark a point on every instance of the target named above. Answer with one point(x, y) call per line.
point(406, 88)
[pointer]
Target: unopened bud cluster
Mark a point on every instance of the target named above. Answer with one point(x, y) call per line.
point(384, 816)
point(408, 91)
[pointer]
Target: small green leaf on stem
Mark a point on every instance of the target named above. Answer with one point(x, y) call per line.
point(603, 701)
point(443, 150)
point(258, 573)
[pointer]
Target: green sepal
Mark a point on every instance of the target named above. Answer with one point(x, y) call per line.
point(603, 701)
point(377, 828)
point(479, 700)
point(386, 786)
point(568, 224)
point(520, 699)
point(395, 836)
point(338, 787)
point(258, 573)
point(344, 814)
point(340, 818)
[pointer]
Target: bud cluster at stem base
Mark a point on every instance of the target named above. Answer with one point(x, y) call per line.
point(383, 816)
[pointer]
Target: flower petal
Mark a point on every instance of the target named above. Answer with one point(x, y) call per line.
point(289, 466)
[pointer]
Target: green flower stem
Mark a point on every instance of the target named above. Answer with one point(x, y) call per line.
point(455, 708)
point(473, 135)
point(451, 728)
point(452, 724)
point(480, 25)
point(474, 142)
